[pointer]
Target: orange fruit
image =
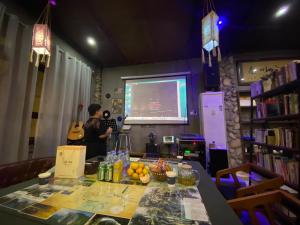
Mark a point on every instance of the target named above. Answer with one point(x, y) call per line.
point(135, 176)
point(145, 171)
point(141, 175)
point(141, 165)
point(130, 172)
point(139, 170)
point(134, 165)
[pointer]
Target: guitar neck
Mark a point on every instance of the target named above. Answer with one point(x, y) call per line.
point(77, 117)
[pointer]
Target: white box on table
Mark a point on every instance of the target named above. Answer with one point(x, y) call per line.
point(70, 161)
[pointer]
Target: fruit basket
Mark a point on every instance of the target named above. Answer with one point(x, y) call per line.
point(159, 176)
point(138, 171)
point(159, 170)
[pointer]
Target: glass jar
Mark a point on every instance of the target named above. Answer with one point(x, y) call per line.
point(187, 176)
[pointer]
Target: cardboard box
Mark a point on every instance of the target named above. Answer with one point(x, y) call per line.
point(70, 161)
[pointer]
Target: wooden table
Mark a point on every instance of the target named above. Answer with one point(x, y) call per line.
point(218, 210)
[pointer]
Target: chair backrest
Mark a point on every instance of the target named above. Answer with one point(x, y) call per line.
point(262, 171)
point(273, 182)
point(268, 203)
point(267, 185)
point(17, 172)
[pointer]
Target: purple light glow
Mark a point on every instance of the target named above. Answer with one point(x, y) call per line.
point(222, 22)
point(52, 2)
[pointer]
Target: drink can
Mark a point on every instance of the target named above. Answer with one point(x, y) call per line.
point(101, 171)
point(109, 172)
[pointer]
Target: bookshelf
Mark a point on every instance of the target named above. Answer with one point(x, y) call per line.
point(286, 88)
point(278, 147)
point(244, 110)
point(276, 144)
point(278, 118)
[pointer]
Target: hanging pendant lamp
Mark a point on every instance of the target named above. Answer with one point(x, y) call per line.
point(210, 32)
point(41, 37)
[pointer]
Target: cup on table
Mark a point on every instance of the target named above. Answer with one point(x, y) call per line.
point(180, 158)
point(44, 178)
point(244, 176)
point(171, 178)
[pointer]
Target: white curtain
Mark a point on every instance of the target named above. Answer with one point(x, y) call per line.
point(17, 88)
point(67, 84)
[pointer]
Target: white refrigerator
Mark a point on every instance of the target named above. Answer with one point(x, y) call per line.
point(213, 120)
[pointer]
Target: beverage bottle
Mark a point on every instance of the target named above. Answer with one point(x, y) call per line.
point(117, 171)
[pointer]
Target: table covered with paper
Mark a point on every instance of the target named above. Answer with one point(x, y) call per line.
point(87, 201)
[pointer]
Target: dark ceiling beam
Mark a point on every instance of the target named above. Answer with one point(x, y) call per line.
point(101, 27)
point(147, 34)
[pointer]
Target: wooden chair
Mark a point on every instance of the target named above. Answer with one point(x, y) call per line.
point(273, 181)
point(268, 205)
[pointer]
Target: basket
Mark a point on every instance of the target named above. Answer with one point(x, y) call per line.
point(159, 176)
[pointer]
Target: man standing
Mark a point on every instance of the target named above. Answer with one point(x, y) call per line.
point(95, 132)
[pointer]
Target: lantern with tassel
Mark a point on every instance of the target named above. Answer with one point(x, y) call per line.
point(210, 35)
point(41, 38)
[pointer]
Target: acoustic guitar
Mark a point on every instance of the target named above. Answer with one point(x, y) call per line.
point(76, 131)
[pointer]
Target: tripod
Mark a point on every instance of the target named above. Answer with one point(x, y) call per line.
point(122, 136)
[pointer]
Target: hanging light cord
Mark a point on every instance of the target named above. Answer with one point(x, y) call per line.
point(208, 6)
point(44, 14)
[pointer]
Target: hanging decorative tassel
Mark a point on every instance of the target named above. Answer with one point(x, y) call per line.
point(203, 56)
point(31, 56)
point(43, 58)
point(214, 52)
point(48, 61)
point(219, 55)
point(37, 61)
point(209, 60)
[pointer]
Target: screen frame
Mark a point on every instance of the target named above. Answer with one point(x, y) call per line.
point(170, 75)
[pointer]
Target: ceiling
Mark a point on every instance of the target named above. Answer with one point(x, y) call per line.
point(146, 31)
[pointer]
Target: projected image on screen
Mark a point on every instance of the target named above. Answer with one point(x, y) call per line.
point(156, 101)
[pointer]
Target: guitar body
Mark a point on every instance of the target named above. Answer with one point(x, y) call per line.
point(76, 131)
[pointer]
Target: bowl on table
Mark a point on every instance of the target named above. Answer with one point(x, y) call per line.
point(90, 167)
point(159, 169)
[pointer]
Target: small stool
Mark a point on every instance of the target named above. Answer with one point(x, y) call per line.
point(124, 138)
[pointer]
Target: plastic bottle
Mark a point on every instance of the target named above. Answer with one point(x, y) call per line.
point(124, 163)
point(108, 157)
point(117, 171)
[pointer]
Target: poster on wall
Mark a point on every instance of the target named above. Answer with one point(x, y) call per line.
point(118, 91)
point(254, 70)
point(117, 105)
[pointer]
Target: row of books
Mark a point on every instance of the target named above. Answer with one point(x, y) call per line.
point(285, 137)
point(277, 78)
point(280, 105)
point(284, 166)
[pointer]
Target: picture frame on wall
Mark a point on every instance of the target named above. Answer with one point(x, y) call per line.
point(251, 71)
point(117, 105)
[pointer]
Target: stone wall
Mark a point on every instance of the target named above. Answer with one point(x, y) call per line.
point(229, 85)
point(97, 78)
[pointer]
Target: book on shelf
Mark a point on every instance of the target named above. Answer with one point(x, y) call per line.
point(277, 78)
point(277, 106)
point(293, 70)
point(256, 88)
point(287, 168)
point(281, 137)
point(282, 165)
point(293, 104)
point(267, 83)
